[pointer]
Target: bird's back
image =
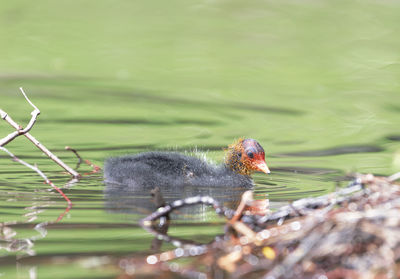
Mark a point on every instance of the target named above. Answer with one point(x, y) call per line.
point(169, 169)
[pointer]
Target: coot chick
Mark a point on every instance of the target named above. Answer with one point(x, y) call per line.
point(173, 169)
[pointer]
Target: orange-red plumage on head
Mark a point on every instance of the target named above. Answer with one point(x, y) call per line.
point(246, 156)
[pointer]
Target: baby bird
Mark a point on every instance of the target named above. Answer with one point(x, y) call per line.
point(172, 169)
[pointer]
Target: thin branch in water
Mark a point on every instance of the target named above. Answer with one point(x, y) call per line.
point(165, 210)
point(77, 155)
point(96, 168)
point(61, 216)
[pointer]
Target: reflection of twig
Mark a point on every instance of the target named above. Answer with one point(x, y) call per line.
point(71, 182)
point(36, 169)
point(20, 131)
point(61, 216)
point(8, 236)
point(12, 244)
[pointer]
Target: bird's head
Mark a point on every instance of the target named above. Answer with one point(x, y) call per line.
point(246, 156)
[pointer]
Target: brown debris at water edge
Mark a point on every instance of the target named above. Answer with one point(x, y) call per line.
point(351, 233)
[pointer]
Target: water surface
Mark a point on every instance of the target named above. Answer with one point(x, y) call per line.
point(316, 83)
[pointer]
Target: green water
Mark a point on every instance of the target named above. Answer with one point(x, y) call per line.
point(315, 82)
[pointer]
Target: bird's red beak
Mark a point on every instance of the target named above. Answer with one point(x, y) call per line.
point(262, 166)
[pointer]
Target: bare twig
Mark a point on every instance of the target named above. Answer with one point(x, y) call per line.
point(34, 113)
point(52, 156)
point(20, 131)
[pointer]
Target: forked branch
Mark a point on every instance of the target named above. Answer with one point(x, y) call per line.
point(25, 131)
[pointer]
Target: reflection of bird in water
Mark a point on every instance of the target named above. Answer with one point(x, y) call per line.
point(172, 169)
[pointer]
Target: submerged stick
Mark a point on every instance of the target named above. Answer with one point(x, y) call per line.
point(165, 210)
point(20, 131)
point(77, 156)
point(96, 168)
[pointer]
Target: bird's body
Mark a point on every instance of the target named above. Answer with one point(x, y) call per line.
point(166, 169)
point(173, 169)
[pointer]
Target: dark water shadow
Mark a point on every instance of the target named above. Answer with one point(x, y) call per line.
point(133, 121)
point(38, 77)
point(137, 95)
point(393, 137)
point(340, 150)
point(392, 107)
point(36, 157)
point(143, 95)
point(139, 147)
point(198, 148)
point(129, 200)
point(116, 147)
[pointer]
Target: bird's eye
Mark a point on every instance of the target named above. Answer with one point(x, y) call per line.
point(250, 154)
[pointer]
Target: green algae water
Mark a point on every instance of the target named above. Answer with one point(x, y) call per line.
point(315, 82)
